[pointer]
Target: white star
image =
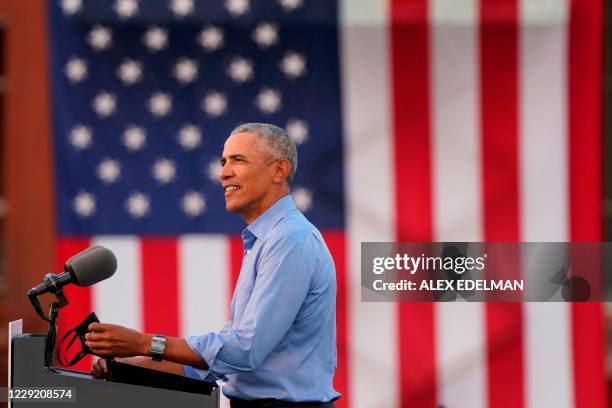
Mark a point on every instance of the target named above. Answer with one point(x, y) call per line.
point(156, 38)
point(214, 103)
point(181, 8)
point(100, 38)
point(211, 38)
point(265, 35)
point(240, 70)
point(302, 198)
point(214, 170)
point(109, 170)
point(126, 8)
point(291, 5)
point(160, 104)
point(185, 70)
point(237, 7)
point(193, 203)
point(104, 104)
point(189, 137)
point(84, 204)
point(268, 100)
point(134, 138)
point(71, 7)
point(297, 130)
point(80, 137)
point(76, 69)
point(137, 205)
point(164, 170)
point(130, 71)
point(293, 64)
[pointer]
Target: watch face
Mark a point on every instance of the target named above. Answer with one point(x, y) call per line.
point(158, 345)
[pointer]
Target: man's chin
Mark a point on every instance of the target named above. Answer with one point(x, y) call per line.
point(231, 207)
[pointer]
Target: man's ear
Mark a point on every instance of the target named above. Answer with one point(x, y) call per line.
point(282, 169)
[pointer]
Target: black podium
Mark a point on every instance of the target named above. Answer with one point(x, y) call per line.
point(134, 387)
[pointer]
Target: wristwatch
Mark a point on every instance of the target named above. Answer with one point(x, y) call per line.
point(158, 347)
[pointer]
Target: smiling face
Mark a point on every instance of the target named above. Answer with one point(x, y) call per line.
point(252, 179)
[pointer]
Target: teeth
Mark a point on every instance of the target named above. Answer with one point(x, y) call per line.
point(230, 188)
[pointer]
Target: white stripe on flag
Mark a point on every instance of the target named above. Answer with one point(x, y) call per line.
point(204, 279)
point(461, 354)
point(118, 300)
point(544, 183)
point(455, 114)
point(369, 181)
point(543, 94)
point(460, 349)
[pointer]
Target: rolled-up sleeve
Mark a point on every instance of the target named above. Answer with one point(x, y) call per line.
point(281, 285)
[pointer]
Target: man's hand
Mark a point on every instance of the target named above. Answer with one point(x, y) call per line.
point(111, 340)
point(99, 369)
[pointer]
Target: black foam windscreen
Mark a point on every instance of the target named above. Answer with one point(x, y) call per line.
point(91, 266)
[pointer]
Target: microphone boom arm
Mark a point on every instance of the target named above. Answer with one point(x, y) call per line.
point(52, 284)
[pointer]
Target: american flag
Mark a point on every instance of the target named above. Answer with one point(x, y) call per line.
point(415, 120)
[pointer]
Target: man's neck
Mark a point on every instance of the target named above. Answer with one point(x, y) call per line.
point(265, 205)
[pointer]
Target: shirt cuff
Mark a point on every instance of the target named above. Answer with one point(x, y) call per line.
point(208, 347)
point(198, 374)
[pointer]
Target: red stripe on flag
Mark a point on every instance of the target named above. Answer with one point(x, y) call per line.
point(499, 126)
point(499, 118)
point(79, 298)
point(411, 133)
point(235, 257)
point(589, 354)
point(585, 107)
point(336, 244)
point(159, 266)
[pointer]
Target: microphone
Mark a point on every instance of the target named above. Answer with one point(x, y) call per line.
point(86, 268)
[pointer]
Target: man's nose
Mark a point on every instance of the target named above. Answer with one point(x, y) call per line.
point(225, 172)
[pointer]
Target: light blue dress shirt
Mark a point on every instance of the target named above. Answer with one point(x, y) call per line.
point(280, 341)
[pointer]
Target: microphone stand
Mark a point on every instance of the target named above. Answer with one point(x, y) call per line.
point(51, 318)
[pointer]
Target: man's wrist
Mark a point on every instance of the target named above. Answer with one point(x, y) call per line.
point(145, 345)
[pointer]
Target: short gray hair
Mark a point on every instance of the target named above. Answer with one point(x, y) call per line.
point(276, 140)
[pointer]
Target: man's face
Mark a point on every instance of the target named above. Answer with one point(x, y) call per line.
point(246, 175)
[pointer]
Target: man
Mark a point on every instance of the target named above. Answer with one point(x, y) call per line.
point(279, 347)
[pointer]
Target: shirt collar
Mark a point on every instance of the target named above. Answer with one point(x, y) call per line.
point(268, 220)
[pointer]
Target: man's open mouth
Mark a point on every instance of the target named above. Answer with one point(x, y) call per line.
point(230, 189)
